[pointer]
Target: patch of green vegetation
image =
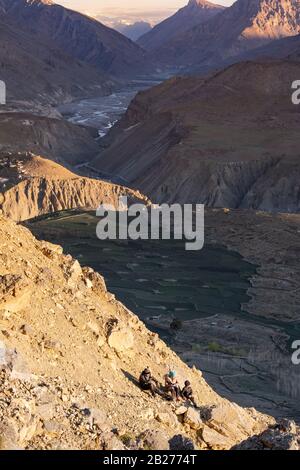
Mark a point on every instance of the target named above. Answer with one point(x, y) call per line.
point(216, 347)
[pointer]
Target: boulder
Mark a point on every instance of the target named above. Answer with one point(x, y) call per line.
point(99, 418)
point(153, 440)
point(281, 436)
point(181, 410)
point(231, 421)
point(109, 441)
point(192, 418)
point(121, 340)
point(15, 293)
point(280, 441)
point(8, 435)
point(94, 280)
point(287, 425)
point(168, 419)
point(74, 273)
point(215, 440)
point(13, 363)
point(50, 250)
point(46, 411)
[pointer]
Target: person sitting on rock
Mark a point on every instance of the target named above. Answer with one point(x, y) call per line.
point(172, 385)
point(187, 393)
point(147, 382)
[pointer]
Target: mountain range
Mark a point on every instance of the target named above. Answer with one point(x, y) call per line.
point(76, 35)
point(246, 25)
point(227, 140)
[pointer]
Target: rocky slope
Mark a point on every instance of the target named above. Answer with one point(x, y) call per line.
point(194, 13)
point(31, 186)
point(77, 36)
point(38, 74)
point(247, 24)
point(230, 140)
point(53, 311)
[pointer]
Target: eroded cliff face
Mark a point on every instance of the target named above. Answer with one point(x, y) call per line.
point(70, 357)
point(40, 196)
point(31, 186)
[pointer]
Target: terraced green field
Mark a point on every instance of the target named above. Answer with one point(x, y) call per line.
point(154, 277)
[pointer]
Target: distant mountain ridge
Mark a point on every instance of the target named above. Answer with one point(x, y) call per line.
point(246, 25)
point(78, 36)
point(134, 31)
point(194, 13)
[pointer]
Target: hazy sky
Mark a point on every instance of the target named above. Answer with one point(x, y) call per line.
point(129, 10)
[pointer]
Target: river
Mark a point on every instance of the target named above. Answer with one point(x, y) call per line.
point(103, 112)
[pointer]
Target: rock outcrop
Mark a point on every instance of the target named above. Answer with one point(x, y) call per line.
point(31, 186)
point(283, 436)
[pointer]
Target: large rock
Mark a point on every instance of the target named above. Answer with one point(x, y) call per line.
point(168, 419)
point(280, 441)
point(283, 436)
point(8, 435)
point(192, 418)
point(121, 340)
point(74, 273)
point(15, 292)
point(94, 280)
point(14, 364)
point(50, 250)
point(231, 421)
point(153, 440)
point(109, 441)
point(214, 440)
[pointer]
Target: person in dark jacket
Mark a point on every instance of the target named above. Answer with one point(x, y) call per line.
point(147, 382)
point(187, 393)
